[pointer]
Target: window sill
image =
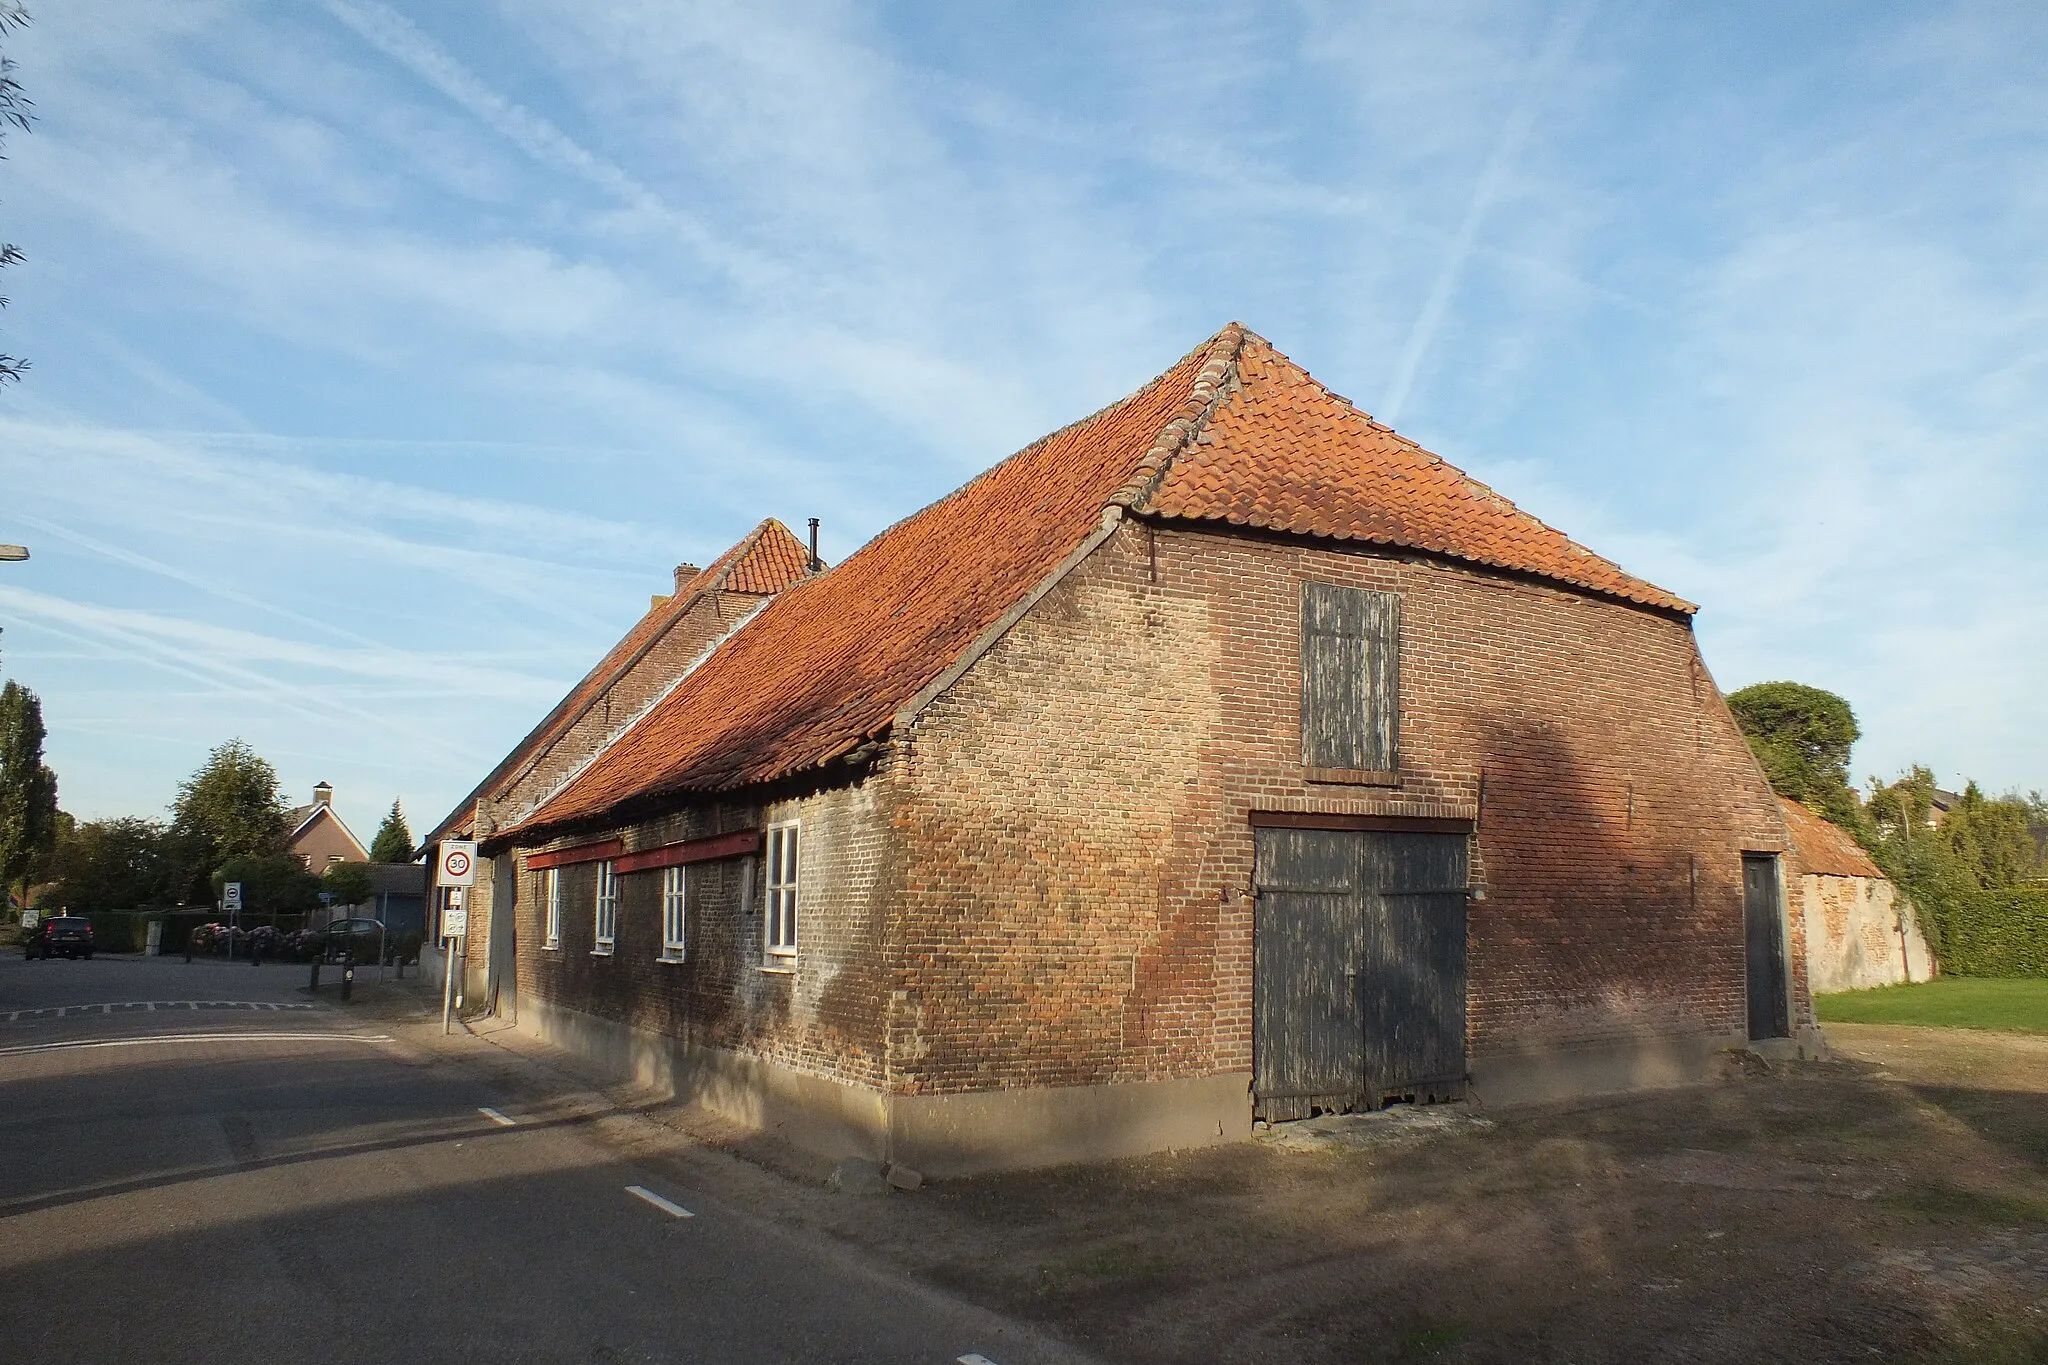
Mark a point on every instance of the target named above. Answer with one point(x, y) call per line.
point(780, 968)
point(673, 959)
point(554, 947)
point(1353, 777)
point(601, 952)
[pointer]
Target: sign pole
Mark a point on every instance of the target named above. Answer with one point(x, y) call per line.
point(447, 982)
point(454, 868)
point(231, 902)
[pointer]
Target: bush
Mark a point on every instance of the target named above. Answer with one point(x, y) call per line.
point(1993, 933)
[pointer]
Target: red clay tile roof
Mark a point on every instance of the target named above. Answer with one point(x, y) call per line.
point(1824, 847)
point(825, 666)
point(767, 561)
point(1283, 453)
point(1234, 433)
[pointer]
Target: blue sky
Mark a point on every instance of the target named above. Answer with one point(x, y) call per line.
point(387, 356)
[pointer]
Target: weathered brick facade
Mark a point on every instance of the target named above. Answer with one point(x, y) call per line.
point(1076, 814)
point(1045, 882)
point(1028, 735)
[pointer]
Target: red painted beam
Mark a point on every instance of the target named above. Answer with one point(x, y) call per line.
point(732, 845)
point(581, 853)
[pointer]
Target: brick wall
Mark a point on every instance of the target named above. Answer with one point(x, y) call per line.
point(824, 1016)
point(1859, 932)
point(1078, 855)
point(1047, 881)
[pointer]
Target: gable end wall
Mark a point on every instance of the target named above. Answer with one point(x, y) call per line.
point(1074, 816)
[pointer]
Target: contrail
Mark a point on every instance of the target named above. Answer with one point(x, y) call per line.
point(1557, 48)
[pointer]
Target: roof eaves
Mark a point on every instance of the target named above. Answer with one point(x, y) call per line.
point(1667, 603)
point(521, 821)
point(539, 741)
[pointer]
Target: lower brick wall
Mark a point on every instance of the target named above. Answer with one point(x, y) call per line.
point(823, 1017)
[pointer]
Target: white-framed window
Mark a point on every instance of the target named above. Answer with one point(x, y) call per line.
point(779, 942)
point(551, 907)
point(607, 919)
point(675, 921)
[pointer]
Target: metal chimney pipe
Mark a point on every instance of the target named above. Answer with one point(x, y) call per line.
point(814, 565)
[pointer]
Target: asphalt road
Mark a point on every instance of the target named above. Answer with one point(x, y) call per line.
point(198, 1163)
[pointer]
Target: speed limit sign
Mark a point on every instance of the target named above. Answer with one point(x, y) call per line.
point(458, 863)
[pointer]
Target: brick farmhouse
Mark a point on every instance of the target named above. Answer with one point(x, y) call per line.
point(1221, 756)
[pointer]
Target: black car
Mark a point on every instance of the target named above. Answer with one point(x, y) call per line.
point(69, 935)
point(360, 940)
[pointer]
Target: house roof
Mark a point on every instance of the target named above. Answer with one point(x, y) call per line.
point(1824, 847)
point(767, 560)
point(1235, 432)
point(302, 818)
point(1281, 452)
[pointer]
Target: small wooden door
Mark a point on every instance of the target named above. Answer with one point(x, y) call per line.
point(1764, 937)
point(1358, 987)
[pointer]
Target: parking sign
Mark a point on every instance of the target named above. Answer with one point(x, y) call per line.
point(231, 896)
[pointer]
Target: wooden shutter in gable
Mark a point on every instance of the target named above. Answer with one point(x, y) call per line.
point(1350, 678)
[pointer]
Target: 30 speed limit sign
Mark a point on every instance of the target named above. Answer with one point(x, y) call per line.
point(458, 863)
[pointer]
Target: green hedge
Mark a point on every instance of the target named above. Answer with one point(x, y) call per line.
point(1994, 933)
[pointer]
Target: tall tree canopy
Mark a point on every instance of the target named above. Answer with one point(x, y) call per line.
point(121, 864)
point(393, 843)
point(274, 883)
point(14, 114)
point(28, 789)
point(230, 808)
point(1802, 735)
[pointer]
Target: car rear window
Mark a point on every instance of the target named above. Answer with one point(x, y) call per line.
point(70, 922)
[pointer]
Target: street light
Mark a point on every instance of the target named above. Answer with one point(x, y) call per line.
point(13, 552)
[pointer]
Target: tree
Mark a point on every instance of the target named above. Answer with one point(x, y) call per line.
point(231, 808)
point(1989, 841)
point(393, 843)
point(118, 864)
point(1802, 736)
point(14, 113)
point(274, 884)
point(28, 789)
point(348, 883)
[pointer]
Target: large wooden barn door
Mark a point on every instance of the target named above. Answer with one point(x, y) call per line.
point(1308, 1037)
point(1764, 935)
point(1413, 976)
point(1358, 990)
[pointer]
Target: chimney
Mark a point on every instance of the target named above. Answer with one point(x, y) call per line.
point(813, 566)
point(323, 795)
point(684, 573)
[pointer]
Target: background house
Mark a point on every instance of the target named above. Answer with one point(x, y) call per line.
point(1223, 754)
point(318, 835)
point(1860, 929)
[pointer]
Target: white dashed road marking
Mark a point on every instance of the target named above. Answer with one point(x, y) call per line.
point(666, 1206)
point(974, 1358)
point(149, 1007)
point(309, 1036)
point(495, 1117)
